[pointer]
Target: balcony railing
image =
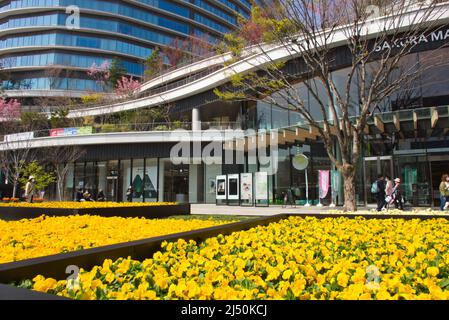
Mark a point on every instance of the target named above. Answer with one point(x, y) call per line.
point(117, 128)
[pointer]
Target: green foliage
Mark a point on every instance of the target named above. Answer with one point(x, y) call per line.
point(43, 178)
point(58, 118)
point(228, 95)
point(92, 98)
point(33, 120)
point(153, 64)
point(116, 72)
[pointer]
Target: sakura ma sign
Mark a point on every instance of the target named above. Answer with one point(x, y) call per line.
point(435, 36)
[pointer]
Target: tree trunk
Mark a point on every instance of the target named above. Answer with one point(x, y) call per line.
point(14, 188)
point(349, 183)
point(59, 186)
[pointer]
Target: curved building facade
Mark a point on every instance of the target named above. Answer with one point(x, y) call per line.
point(45, 47)
point(407, 137)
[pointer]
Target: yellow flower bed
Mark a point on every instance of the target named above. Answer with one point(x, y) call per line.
point(83, 205)
point(296, 258)
point(51, 235)
point(395, 212)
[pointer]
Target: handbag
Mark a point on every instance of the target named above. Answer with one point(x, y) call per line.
point(389, 199)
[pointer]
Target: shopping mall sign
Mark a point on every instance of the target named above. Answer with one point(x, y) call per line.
point(435, 36)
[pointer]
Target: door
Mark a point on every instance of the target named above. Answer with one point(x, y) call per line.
point(111, 188)
point(374, 166)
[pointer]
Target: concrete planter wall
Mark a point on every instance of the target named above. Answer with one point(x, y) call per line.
point(163, 211)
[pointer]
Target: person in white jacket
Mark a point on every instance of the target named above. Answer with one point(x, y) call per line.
point(29, 189)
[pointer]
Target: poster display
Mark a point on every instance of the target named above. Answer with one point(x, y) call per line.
point(233, 187)
point(261, 186)
point(23, 136)
point(246, 186)
point(335, 186)
point(323, 183)
point(64, 132)
point(221, 188)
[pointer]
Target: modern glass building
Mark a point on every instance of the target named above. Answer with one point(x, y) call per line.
point(43, 48)
point(408, 138)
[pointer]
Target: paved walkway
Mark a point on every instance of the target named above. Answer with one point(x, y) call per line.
point(266, 211)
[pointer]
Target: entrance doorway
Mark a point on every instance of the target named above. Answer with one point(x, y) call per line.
point(439, 165)
point(176, 182)
point(373, 167)
point(111, 188)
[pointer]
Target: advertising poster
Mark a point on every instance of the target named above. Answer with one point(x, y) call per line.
point(323, 183)
point(70, 131)
point(335, 185)
point(23, 136)
point(84, 130)
point(233, 187)
point(221, 188)
point(246, 186)
point(56, 132)
point(261, 186)
point(212, 185)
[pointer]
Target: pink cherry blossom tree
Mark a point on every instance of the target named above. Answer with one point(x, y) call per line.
point(9, 109)
point(101, 73)
point(126, 86)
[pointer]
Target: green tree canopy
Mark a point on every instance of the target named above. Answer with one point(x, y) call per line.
point(42, 177)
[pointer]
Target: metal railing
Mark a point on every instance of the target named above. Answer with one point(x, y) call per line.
point(133, 127)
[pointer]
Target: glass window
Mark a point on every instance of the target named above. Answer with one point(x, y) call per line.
point(150, 182)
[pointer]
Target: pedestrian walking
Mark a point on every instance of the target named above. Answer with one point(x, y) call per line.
point(129, 194)
point(100, 195)
point(397, 195)
point(378, 188)
point(29, 189)
point(389, 188)
point(444, 191)
point(79, 195)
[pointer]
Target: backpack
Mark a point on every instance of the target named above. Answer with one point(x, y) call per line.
point(374, 187)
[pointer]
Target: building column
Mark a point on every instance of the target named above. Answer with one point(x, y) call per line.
point(196, 121)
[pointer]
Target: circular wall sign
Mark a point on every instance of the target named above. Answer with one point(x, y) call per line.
point(300, 162)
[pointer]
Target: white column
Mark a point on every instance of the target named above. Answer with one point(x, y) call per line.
point(160, 189)
point(193, 183)
point(196, 121)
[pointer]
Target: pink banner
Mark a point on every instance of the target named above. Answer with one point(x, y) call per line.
point(323, 182)
point(56, 132)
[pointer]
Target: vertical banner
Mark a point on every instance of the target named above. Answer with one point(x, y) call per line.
point(246, 187)
point(335, 186)
point(261, 186)
point(323, 183)
point(233, 186)
point(221, 188)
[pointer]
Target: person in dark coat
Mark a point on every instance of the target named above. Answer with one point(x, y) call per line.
point(79, 195)
point(100, 195)
point(129, 194)
point(380, 195)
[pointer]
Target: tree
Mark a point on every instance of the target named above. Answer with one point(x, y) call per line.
point(153, 64)
point(116, 72)
point(42, 178)
point(9, 109)
point(61, 158)
point(126, 86)
point(15, 153)
point(176, 53)
point(101, 74)
point(298, 50)
point(58, 118)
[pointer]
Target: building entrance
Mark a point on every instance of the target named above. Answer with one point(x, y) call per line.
point(439, 165)
point(373, 167)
